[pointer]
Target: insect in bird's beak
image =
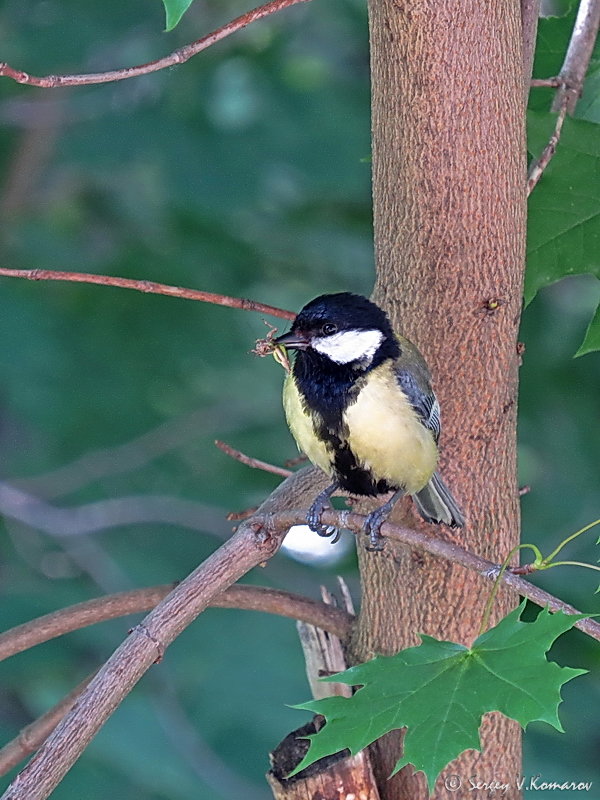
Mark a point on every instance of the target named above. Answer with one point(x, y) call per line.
point(293, 341)
point(280, 355)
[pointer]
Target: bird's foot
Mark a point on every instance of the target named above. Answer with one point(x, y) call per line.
point(372, 526)
point(315, 512)
point(376, 519)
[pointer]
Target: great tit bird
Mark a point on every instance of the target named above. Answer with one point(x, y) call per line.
point(359, 403)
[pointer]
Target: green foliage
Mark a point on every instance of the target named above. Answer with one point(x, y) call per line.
point(588, 106)
point(174, 10)
point(564, 209)
point(440, 691)
point(542, 562)
point(591, 341)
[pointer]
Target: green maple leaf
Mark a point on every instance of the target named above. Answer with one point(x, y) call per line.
point(591, 340)
point(564, 211)
point(439, 691)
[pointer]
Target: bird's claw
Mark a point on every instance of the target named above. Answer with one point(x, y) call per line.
point(372, 525)
point(313, 519)
point(328, 531)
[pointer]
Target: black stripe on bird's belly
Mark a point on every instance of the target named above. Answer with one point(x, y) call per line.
point(327, 390)
point(352, 477)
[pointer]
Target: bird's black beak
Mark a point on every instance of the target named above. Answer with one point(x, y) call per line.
point(293, 340)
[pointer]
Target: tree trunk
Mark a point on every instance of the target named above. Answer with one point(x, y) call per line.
point(449, 207)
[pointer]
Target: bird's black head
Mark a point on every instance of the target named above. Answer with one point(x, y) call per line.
point(344, 328)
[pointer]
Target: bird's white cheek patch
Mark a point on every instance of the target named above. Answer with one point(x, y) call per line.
point(349, 346)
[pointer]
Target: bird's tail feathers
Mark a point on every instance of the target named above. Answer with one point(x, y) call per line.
point(436, 504)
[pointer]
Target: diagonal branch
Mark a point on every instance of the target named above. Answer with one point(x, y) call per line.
point(569, 82)
point(254, 598)
point(579, 53)
point(33, 735)
point(149, 287)
point(537, 167)
point(179, 56)
point(455, 554)
point(115, 512)
point(249, 461)
point(250, 546)
point(323, 616)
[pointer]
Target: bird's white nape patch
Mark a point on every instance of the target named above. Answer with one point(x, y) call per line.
point(348, 346)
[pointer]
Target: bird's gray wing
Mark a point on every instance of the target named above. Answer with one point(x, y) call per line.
point(422, 399)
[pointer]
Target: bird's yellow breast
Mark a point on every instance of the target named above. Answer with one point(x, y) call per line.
point(381, 428)
point(386, 435)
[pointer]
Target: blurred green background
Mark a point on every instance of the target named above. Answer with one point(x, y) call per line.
point(244, 172)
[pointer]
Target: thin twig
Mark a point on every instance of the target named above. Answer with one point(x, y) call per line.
point(33, 735)
point(293, 462)
point(538, 166)
point(100, 609)
point(579, 53)
point(569, 82)
point(149, 287)
point(551, 83)
point(112, 513)
point(236, 516)
point(178, 56)
point(251, 462)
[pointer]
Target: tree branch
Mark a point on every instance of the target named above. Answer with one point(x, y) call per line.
point(537, 167)
point(251, 462)
point(250, 546)
point(256, 541)
point(569, 82)
point(578, 55)
point(550, 83)
point(453, 553)
point(111, 513)
point(256, 598)
point(64, 522)
point(130, 455)
point(100, 609)
point(149, 287)
point(34, 734)
point(179, 56)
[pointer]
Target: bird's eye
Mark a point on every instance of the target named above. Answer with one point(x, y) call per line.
point(329, 328)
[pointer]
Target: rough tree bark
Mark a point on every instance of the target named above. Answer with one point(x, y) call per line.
point(449, 206)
